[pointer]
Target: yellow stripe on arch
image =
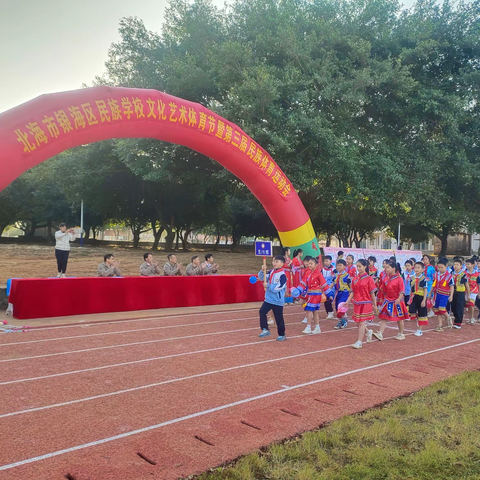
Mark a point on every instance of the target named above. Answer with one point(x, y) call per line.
point(299, 236)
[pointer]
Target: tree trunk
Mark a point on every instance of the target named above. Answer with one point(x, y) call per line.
point(329, 241)
point(235, 240)
point(357, 239)
point(444, 240)
point(178, 238)
point(188, 231)
point(217, 242)
point(31, 232)
point(50, 237)
point(344, 241)
point(170, 238)
point(157, 236)
point(136, 237)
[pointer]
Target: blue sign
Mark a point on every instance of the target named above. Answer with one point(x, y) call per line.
point(263, 249)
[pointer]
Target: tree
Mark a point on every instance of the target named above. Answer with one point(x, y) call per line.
point(372, 111)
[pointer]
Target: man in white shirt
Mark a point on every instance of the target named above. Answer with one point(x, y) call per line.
point(62, 248)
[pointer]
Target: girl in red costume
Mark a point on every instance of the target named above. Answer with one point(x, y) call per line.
point(316, 287)
point(393, 308)
point(372, 269)
point(474, 281)
point(303, 284)
point(364, 303)
point(351, 269)
point(381, 280)
point(297, 267)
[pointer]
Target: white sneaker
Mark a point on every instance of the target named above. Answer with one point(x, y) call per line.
point(358, 344)
point(369, 335)
point(400, 336)
point(378, 335)
point(64, 275)
point(59, 275)
point(330, 315)
point(305, 320)
point(317, 329)
point(308, 329)
point(271, 321)
point(430, 314)
point(418, 333)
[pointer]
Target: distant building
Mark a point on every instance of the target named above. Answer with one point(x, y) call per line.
point(380, 240)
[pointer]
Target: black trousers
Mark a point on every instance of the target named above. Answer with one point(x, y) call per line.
point(328, 306)
point(277, 313)
point(62, 260)
point(415, 309)
point(458, 306)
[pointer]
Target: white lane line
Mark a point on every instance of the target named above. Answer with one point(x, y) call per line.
point(129, 331)
point(94, 323)
point(103, 367)
point(130, 344)
point(222, 407)
point(179, 379)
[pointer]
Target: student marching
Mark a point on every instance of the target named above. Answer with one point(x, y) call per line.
point(421, 291)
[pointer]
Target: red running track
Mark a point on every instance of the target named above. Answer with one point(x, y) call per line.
point(173, 396)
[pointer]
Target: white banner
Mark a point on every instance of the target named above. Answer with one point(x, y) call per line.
point(333, 252)
point(403, 255)
point(380, 256)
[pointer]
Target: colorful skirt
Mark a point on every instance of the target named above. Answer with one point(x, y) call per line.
point(363, 312)
point(313, 302)
point(392, 312)
point(380, 297)
point(296, 278)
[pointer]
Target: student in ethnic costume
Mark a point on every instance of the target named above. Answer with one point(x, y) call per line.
point(418, 298)
point(393, 308)
point(364, 302)
point(316, 287)
point(342, 286)
point(443, 294)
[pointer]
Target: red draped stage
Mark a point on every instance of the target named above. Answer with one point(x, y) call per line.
point(56, 297)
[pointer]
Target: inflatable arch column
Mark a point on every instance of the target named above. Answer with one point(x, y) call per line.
point(50, 124)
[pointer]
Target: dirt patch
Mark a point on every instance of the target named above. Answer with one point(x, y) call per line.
point(38, 261)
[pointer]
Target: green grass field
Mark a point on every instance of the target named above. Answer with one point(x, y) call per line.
point(433, 434)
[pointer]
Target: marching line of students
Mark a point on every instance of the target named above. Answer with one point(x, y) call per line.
point(419, 292)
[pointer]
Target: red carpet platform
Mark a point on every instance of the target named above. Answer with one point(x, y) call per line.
point(53, 297)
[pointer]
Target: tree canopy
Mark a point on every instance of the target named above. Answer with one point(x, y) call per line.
point(370, 109)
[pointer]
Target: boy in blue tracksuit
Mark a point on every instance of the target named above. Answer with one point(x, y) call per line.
point(275, 284)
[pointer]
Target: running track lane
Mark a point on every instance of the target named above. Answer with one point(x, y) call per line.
point(301, 383)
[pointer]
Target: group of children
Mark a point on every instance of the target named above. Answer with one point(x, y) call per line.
point(420, 291)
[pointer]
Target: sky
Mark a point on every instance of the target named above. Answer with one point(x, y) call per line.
point(49, 46)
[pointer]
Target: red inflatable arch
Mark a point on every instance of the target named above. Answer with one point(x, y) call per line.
point(50, 124)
